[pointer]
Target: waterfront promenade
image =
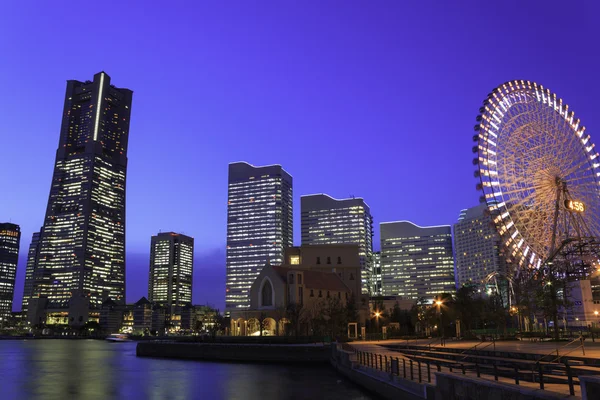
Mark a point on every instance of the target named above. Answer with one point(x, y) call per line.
point(457, 357)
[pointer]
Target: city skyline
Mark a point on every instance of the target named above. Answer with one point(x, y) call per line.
point(396, 97)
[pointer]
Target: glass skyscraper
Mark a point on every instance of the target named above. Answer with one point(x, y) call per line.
point(10, 238)
point(259, 226)
point(32, 256)
point(82, 245)
point(326, 220)
point(171, 270)
point(416, 261)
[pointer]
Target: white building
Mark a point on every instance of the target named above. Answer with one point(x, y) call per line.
point(478, 249)
point(259, 226)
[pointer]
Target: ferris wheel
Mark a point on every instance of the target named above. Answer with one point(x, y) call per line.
point(538, 171)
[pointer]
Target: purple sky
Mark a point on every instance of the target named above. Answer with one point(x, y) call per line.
point(372, 99)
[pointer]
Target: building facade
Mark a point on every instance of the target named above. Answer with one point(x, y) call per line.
point(278, 287)
point(478, 248)
point(309, 277)
point(10, 238)
point(376, 277)
point(171, 270)
point(325, 220)
point(82, 245)
point(259, 226)
point(32, 257)
point(416, 261)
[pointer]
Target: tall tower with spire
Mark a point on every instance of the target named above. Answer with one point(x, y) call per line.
point(82, 245)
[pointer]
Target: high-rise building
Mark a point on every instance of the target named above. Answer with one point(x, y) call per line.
point(478, 248)
point(10, 238)
point(32, 256)
point(171, 270)
point(416, 261)
point(259, 226)
point(82, 245)
point(377, 289)
point(326, 220)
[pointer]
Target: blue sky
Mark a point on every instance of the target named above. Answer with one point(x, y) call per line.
point(373, 99)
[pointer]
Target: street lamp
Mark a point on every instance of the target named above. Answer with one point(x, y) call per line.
point(377, 315)
point(439, 306)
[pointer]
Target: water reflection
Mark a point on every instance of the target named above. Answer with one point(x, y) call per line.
point(88, 369)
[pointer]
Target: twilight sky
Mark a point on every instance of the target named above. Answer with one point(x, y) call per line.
point(375, 99)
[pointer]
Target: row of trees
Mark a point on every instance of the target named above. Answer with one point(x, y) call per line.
point(439, 318)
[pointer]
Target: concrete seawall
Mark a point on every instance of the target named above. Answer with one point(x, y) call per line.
point(457, 387)
point(383, 384)
point(236, 352)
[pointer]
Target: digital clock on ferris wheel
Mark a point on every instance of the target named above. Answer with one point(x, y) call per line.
point(574, 205)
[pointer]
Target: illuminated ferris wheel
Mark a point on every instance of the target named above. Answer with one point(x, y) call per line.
point(539, 173)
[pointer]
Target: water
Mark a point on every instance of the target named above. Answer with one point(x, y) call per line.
point(92, 369)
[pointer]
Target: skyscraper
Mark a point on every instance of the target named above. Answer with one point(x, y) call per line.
point(259, 226)
point(416, 261)
point(377, 289)
point(326, 220)
point(82, 245)
point(477, 245)
point(32, 256)
point(171, 270)
point(10, 238)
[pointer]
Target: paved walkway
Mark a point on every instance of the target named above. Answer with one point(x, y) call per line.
point(592, 349)
point(526, 347)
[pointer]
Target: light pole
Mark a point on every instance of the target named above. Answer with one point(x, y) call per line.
point(377, 314)
point(439, 306)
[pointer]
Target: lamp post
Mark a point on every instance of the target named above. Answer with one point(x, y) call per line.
point(439, 306)
point(377, 314)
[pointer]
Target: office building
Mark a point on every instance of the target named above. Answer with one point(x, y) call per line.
point(326, 220)
point(32, 256)
point(171, 270)
point(10, 238)
point(478, 249)
point(81, 258)
point(416, 261)
point(259, 226)
point(376, 280)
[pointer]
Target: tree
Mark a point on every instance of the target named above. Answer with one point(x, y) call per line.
point(495, 311)
point(351, 309)
point(548, 299)
point(198, 324)
point(219, 323)
point(467, 308)
point(396, 314)
point(335, 313)
point(421, 314)
point(295, 313)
